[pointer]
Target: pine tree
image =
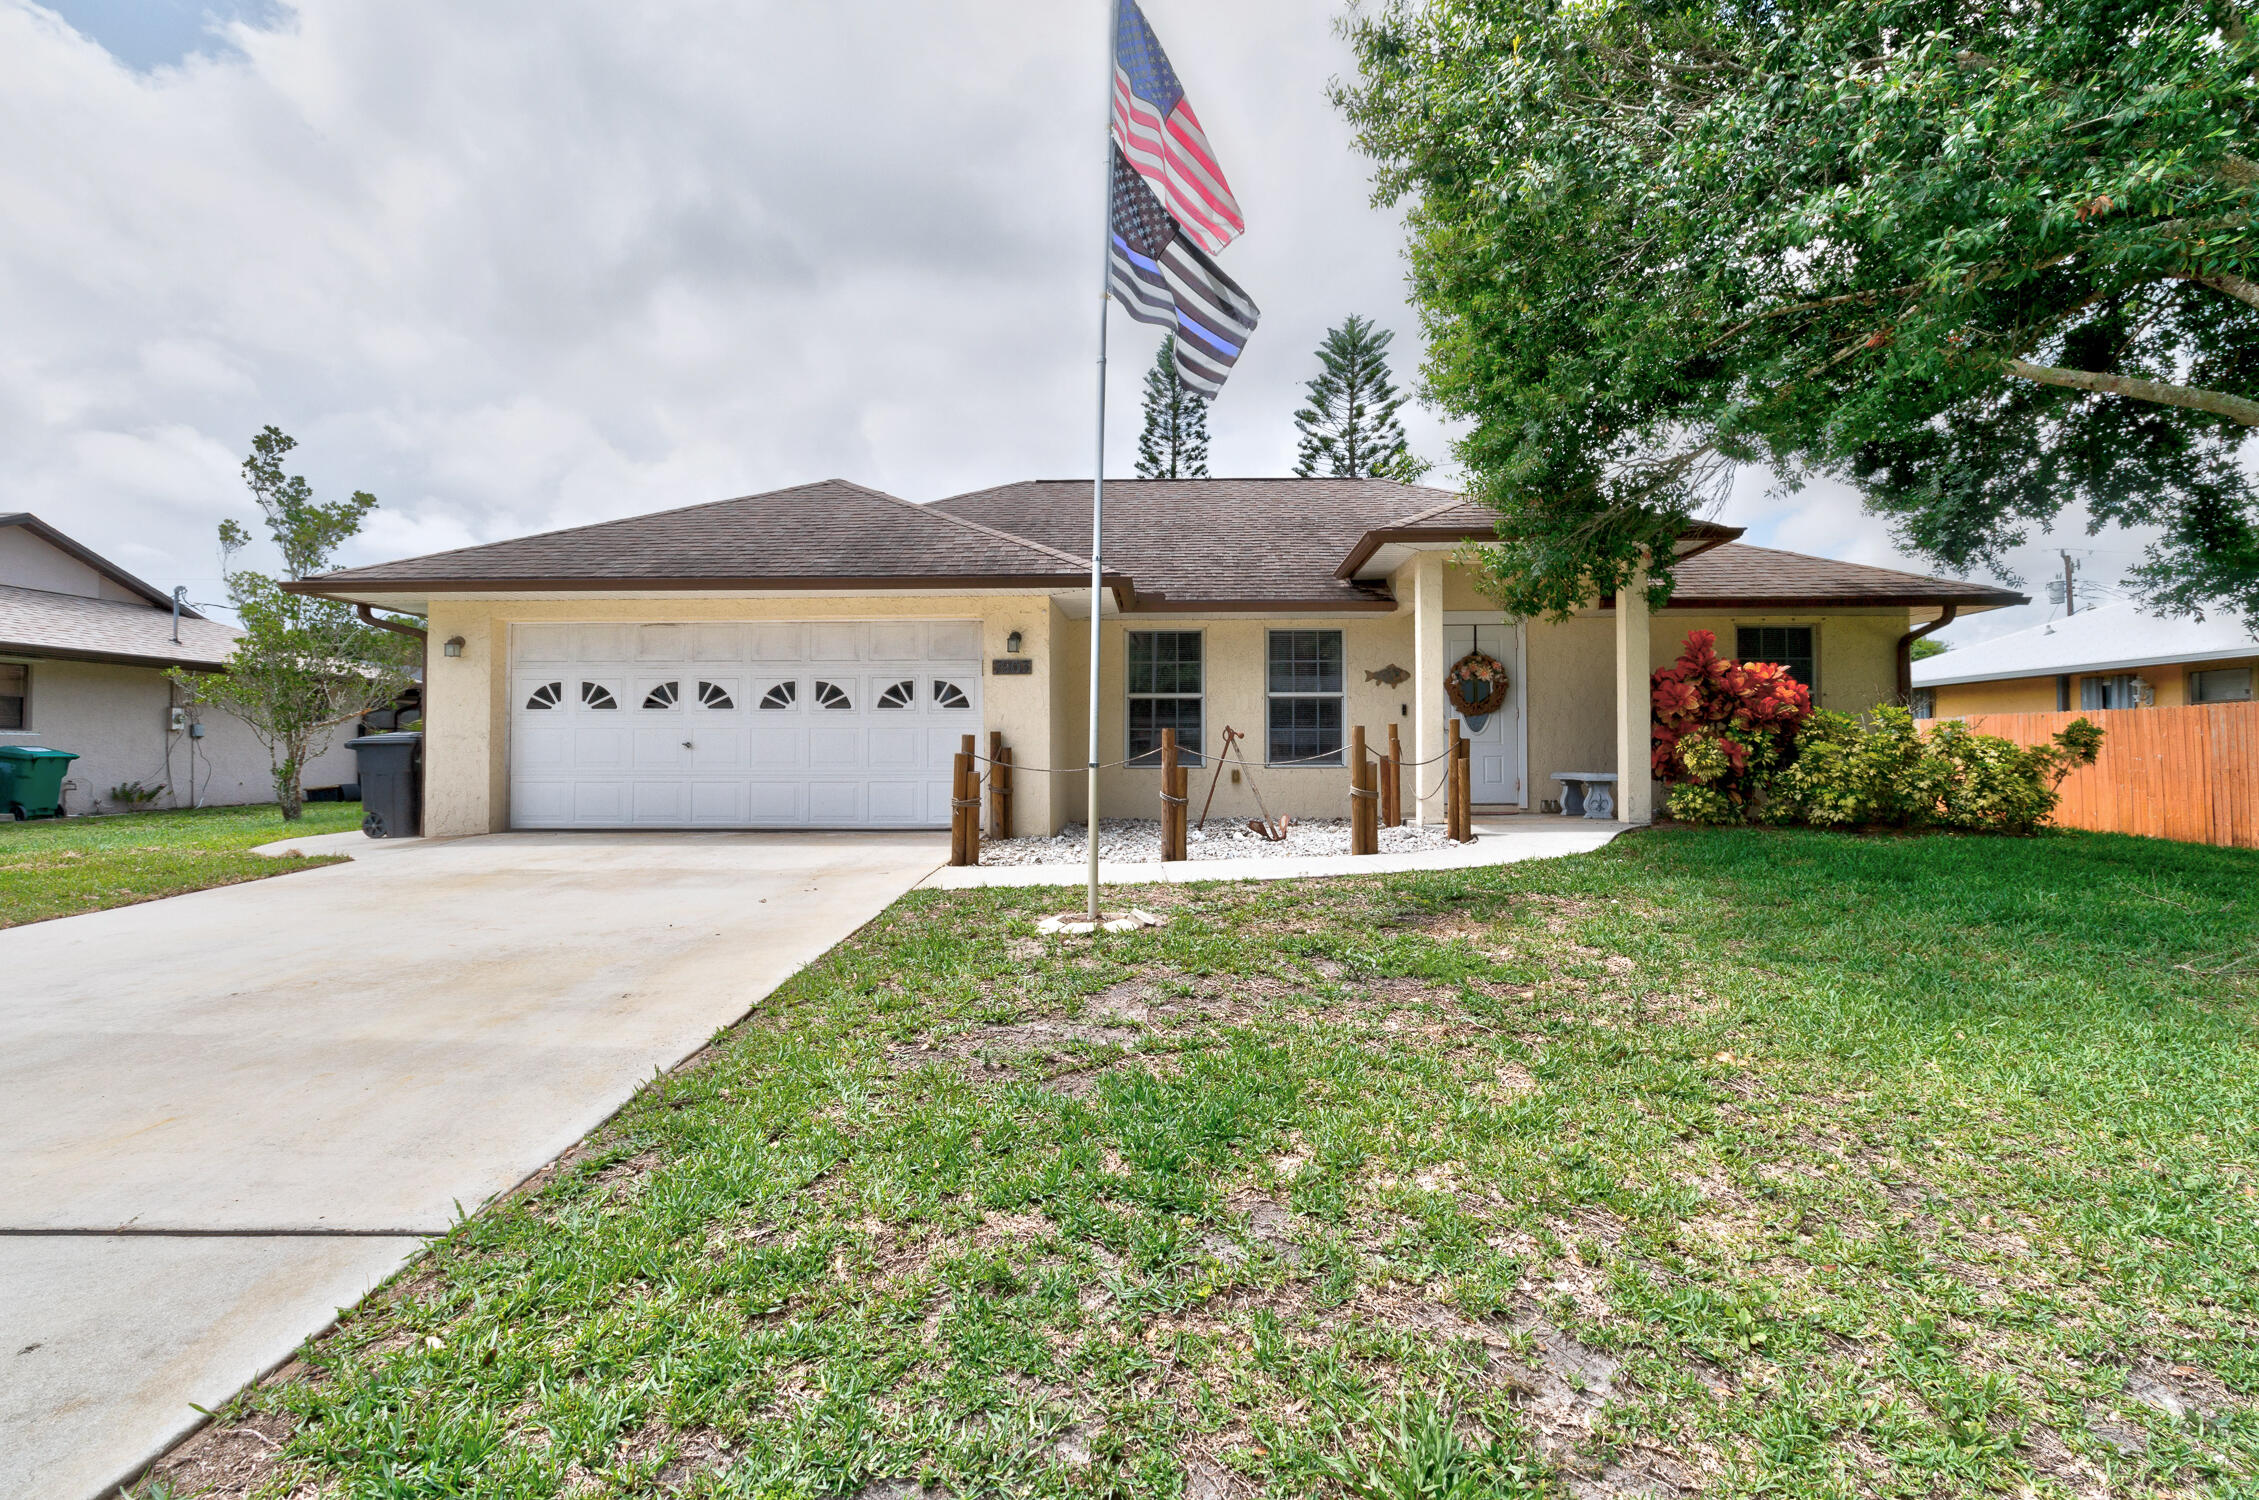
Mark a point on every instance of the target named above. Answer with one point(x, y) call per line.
point(1349, 429)
point(1174, 444)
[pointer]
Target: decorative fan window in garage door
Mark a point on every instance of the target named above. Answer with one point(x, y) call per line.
point(899, 695)
point(665, 695)
point(548, 695)
point(832, 695)
point(596, 695)
point(949, 695)
point(783, 695)
point(714, 695)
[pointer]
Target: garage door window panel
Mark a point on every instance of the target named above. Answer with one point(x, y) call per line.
point(546, 696)
point(949, 695)
point(716, 695)
point(662, 696)
point(780, 696)
point(833, 695)
point(596, 695)
point(899, 695)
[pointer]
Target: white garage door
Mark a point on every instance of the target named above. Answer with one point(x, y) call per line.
point(784, 724)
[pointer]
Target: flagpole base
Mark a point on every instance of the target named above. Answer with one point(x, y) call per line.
point(1081, 924)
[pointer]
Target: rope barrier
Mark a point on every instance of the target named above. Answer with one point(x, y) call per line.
point(1176, 801)
point(1143, 763)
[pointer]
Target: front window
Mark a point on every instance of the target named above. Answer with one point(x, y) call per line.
point(1165, 686)
point(2118, 690)
point(1305, 697)
point(1925, 703)
point(15, 695)
point(2220, 685)
point(1789, 646)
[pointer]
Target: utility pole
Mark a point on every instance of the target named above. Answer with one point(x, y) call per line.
point(2070, 599)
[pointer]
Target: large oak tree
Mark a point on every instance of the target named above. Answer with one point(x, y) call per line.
point(1987, 261)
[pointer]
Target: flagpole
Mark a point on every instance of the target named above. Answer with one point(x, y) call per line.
point(1098, 469)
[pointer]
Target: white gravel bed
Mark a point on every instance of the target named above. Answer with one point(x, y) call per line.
point(1138, 841)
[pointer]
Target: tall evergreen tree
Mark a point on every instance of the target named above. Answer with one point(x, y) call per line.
point(1349, 428)
point(1174, 444)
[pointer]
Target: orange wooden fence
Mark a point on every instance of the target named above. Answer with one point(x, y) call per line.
point(2171, 773)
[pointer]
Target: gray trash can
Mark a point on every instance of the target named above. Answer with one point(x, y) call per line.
point(391, 784)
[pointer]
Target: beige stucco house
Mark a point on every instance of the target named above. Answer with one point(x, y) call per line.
point(84, 647)
point(811, 657)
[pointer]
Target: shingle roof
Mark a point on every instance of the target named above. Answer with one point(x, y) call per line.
point(94, 560)
point(828, 533)
point(2114, 638)
point(1232, 543)
point(34, 622)
point(1737, 573)
point(1178, 544)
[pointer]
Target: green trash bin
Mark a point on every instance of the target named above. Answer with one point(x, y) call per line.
point(31, 780)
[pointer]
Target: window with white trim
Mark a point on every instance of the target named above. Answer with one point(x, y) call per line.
point(2219, 685)
point(1790, 646)
point(1167, 686)
point(15, 695)
point(1304, 692)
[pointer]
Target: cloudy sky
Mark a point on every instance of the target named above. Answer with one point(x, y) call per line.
point(531, 263)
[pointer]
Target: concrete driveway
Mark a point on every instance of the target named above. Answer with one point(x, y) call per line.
point(225, 1115)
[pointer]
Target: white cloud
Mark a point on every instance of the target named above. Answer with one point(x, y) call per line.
point(531, 263)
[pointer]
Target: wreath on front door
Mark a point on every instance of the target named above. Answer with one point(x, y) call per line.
point(1476, 685)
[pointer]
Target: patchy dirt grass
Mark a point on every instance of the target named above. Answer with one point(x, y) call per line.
point(1719, 1164)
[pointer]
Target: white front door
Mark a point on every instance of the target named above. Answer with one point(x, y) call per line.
point(1496, 758)
point(769, 724)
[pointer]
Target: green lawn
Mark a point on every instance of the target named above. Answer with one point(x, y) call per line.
point(59, 867)
point(1747, 1163)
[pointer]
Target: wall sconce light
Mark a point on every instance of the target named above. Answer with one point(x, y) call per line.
point(1012, 644)
point(453, 647)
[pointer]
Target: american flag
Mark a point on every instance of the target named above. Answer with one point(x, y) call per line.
point(1158, 132)
point(1160, 276)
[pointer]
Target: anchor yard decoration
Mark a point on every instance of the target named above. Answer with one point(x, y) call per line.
point(1476, 686)
point(1388, 676)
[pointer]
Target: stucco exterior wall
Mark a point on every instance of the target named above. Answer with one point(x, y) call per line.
point(116, 720)
point(1236, 653)
point(467, 748)
point(2018, 695)
point(1858, 651)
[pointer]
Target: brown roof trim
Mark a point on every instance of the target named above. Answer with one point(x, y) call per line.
point(94, 560)
point(109, 658)
point(1991, 598)
point(344, 586)
point(1409, 529)
point(1152, 604)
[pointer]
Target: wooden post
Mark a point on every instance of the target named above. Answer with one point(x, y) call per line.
point(964, 807)
point(1172, 808)
point(1451, 807)
point(999, 786)
point(1182, 808)
point(1463, 770)
point(1364, 816)
point(1392, 782)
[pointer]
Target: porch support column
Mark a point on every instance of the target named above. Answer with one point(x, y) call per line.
point(1429, 712)
point(1635, 785)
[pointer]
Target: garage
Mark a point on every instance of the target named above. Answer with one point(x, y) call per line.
point(758, 724)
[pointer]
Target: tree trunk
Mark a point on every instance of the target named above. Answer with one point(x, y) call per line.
point(289, 795)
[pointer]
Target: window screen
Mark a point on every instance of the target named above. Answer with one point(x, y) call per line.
point(1304, 670)
point(2115, 691)
point(1166, 683)
point(2220, 685)
point(1788, 645)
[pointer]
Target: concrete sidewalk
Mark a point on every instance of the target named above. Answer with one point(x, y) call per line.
point(227, 1114)
point(1498, 841)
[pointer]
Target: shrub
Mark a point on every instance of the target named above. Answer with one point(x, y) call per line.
point(1882, 771)
point(1721, 729)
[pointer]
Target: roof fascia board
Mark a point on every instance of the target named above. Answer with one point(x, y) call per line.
point(108, 658)
point(2130, 664)
point(95, 560)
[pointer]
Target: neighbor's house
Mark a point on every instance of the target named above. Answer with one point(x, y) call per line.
point(2112, 657)
point(811, 657)
point(84, 646)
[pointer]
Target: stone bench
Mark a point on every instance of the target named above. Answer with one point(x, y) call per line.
point(1590, 794)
